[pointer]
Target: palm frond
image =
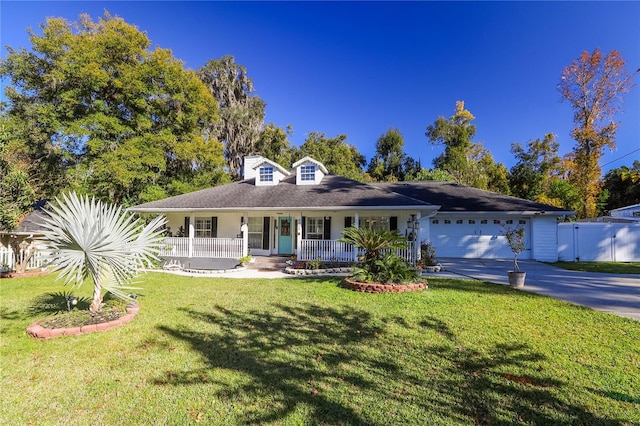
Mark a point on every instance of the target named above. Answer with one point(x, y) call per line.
point(91, 239)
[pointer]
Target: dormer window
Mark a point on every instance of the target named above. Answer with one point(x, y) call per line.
point(266, 174)
point(308, 173)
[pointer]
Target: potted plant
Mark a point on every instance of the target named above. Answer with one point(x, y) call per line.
point(515, 239)
point(428, 261)
point(5, 271)
point(244, 260)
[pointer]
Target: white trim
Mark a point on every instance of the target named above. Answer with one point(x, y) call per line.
point(272, 163)
point(321, 166)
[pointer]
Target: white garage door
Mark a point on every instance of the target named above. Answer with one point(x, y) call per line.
point(476, 237)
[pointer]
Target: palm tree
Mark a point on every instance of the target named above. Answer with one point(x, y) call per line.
point(91, 239)
point(373, 242)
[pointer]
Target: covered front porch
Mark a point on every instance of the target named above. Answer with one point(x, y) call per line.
point(304, 235)
point(235, 248)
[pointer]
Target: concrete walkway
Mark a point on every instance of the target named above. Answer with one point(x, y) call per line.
point(613, 293)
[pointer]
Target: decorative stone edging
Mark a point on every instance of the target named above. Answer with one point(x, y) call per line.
point(37, 330)
point(383, 288)
point(29, 273)
point(326, 271)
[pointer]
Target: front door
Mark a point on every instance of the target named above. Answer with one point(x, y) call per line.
point(284, 235)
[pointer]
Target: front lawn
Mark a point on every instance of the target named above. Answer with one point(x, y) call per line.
point(604, 267)
point(305, 351)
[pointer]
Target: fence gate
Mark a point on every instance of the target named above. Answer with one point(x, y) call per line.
point(599, 242)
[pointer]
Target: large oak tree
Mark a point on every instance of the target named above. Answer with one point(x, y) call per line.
point(241, 111)
point(106, 114)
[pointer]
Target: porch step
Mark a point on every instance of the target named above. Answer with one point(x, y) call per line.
point(269, 263)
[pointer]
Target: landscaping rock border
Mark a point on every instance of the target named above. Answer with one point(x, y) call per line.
point(37, 330)
point(326, 271)
point(383, 288)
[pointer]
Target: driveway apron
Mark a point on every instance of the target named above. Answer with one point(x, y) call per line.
point(616, 294)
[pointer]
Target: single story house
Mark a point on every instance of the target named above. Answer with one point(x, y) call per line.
point(303, 211)
point(25, 234)
point(632, 213)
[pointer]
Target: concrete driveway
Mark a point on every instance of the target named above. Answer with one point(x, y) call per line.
point(616, 294)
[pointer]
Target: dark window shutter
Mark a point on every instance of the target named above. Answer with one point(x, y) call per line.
point(187, 221)
point(327, 228)
point(348, 222)
point(214, 227)
point(393, 223)
point(265, 233)
point(304, 227)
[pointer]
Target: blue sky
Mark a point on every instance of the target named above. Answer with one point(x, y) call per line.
point(361, 68)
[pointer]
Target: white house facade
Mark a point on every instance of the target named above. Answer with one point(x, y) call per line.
point(303, 211)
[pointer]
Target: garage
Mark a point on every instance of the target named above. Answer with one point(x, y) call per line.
point(476, 237)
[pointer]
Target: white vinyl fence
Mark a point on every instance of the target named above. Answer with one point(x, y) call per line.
point(7, 258)
point(599, 242)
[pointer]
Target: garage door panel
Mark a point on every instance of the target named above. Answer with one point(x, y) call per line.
point(471, 238)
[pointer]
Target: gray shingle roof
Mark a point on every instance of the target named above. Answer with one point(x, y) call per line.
point(31, 224)
point(458, 198)
point(334, 191)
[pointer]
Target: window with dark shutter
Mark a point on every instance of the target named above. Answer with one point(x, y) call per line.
point(187, 221)
point(214, 227)
point(348, 221)
point(327, 228)
point(393, 223)
point(265, 232)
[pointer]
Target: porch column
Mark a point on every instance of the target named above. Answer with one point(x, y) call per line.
point(244, 229)
point(356, 224)
point(416, 243)
point(192, 232)
point(299, 237)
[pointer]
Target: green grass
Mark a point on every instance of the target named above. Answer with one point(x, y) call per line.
point(604, 267)
point(305, 351)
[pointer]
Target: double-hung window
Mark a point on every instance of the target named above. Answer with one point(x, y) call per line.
point(255, 226)
point(266, 174)
point(203, 227)
point(315, 228)
point(377, 223)
point(308, 173)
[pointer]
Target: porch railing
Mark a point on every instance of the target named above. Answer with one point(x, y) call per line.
point(216, 248)
point(335, 251)
point(327, 251)
point(7, 258)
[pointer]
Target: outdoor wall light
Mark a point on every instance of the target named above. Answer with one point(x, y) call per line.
point(71, 302)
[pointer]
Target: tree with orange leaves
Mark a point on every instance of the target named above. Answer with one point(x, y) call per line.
point(594, 84)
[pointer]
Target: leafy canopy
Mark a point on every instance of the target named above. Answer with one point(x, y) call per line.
point(110, 115)
point(594, 85)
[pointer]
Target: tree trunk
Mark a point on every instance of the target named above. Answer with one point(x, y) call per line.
point(96, 302)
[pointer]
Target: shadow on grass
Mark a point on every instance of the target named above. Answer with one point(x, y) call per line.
point(332, 360)
point(53, 303)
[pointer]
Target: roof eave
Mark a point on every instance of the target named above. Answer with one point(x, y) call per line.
point(278, 208)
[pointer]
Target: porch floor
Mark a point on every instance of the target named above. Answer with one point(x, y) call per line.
point(202, 263)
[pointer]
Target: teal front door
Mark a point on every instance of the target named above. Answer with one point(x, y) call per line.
point(284, 235)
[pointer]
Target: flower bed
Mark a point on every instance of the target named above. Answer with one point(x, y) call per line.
point(383, 288)
point(37, 330)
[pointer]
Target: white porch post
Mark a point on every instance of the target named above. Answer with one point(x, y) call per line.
point(244, 229)
point(356, 224)
point(416, 253)
point(299, 237)
point(192, 232)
